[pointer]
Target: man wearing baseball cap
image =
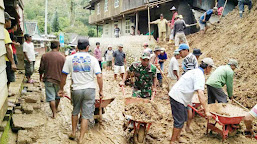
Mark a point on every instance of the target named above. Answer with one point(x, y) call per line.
point(189, 62)
point(172, 21)
point(197, 53)
point(108, 57)
point(146, 48)
point(206, 17)
point(221, 76)
point(173, 71)
point(145, 77)
point(10, 63)
point(179, 27)
point(83, 68)
point(161, 27)
point(182, 93)
point(155, 61)
point(119, 62)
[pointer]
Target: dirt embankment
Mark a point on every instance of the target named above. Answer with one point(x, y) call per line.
point(234, 38)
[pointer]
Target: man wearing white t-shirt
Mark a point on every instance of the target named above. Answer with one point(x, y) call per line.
point(182, 93)
point(83, 67)
point(173, 71)
point(29, 57)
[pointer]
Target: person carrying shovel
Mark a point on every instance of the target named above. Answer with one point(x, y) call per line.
point(205, 18)
point(221, 76)
point(145, 77)
point(182, 93)
point(82, 67)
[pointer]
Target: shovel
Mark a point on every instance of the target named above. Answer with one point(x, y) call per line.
point(240, 104)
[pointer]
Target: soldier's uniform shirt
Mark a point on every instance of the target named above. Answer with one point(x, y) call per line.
point(144, 77)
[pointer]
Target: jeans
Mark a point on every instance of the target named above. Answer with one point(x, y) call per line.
point(241, 5)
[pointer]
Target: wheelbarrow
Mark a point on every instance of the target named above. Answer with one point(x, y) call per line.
point(195, 105)
point(229, 123)
point(140, 127)
point(100, 104)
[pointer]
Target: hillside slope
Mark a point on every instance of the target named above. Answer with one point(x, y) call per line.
point(234, 38)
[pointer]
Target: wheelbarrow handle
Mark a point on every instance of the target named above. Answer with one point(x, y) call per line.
point(100, 109)
point(202, 115)
point(153, 96)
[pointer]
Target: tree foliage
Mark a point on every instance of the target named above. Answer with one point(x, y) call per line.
point(55, 23)
point(59, 16)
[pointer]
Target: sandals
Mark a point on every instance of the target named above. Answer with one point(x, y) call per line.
point(72, 137)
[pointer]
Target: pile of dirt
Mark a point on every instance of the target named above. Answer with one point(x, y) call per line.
point(234, 37)
point(227, 110)
point(145, 112)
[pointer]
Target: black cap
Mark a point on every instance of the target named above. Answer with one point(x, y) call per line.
point(197, 52)
point(83, 43)
point(26, 36)
point(97, 43)
point(8, 17)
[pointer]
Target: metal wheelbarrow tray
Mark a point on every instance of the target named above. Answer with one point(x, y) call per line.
point(226, 115)
point(140, 127)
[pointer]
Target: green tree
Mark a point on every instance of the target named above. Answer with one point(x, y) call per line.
point(91, 33)
point(55, 22)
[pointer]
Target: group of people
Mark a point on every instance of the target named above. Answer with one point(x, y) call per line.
point(11, 45)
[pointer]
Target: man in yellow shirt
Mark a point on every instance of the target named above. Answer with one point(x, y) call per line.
point(161, 27)
point(10, 64)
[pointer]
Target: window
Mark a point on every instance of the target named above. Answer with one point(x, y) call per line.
point(127, 26)
point(98, 8)
point(116, 3)
point(106, 5)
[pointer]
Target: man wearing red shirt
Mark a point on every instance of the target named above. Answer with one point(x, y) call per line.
point(14, 41)
point(171, 24)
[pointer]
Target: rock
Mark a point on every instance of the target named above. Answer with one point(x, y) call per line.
point(18, 111)
point(23, 137)
point(28, 121)
point(28, 109)
point(31, 98)
point(36, 106)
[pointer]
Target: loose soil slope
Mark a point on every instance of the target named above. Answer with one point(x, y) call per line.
point(234, 38)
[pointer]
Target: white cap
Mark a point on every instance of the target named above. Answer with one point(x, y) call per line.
point(109, 46)
point(173, 8)
point(145, 44)
point(208, 61)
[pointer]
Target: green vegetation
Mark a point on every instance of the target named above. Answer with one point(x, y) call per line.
point(66, 16)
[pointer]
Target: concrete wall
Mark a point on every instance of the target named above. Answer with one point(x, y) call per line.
point(3, 78)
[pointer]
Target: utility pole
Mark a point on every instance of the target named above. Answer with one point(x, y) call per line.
point(46, 19)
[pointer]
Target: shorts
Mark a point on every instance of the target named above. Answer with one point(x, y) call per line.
point(159, 76)
point(119, 69)
point(51, 91)
point(29, 68)
point(253, 111)
point(202, 26)
point(9, 72)
point(83, 100)
point(179, 113)
point(242, 3)
point(109, 63)
point(216, 94)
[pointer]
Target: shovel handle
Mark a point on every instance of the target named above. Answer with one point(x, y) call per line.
point(240, 104)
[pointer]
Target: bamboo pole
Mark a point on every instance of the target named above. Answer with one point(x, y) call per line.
point(223, 8)
point(149, 28)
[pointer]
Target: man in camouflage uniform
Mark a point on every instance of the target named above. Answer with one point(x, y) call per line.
point(145, 77)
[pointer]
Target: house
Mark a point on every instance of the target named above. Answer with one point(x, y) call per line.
point(127, 13)
point(15, 9)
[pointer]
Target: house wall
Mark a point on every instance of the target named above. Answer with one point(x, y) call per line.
point(3, 78)
point(111, 11)
point(108, 27)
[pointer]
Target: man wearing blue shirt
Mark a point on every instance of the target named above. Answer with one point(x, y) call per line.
point(206, 17)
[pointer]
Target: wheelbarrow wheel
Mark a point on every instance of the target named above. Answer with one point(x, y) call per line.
point(139, 138)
